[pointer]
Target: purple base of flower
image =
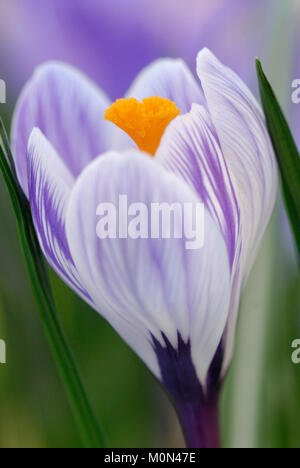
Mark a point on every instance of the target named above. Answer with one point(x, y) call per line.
point(198, 412)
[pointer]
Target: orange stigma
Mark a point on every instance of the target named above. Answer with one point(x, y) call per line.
point(145, 122)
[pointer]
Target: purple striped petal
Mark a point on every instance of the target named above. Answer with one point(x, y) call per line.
point(50, 184)
point(69, 110)
point(190, 148)
point(224, 153)
point(250, 160)
point(151, 290)
point(168, 78)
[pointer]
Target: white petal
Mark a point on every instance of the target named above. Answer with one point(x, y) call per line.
point(190, 149)
point(69, 110)
point(249, 157)
point(149, 286)
point(50, 184)
point(168, 78)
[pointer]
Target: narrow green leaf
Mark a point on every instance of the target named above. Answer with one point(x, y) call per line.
point(84, 416)
point(7, 152)
point(285, 149)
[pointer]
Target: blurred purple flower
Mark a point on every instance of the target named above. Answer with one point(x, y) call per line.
point(175, 307)
point(118, 38)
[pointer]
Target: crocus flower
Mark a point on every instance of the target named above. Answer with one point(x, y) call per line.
point(176, 308)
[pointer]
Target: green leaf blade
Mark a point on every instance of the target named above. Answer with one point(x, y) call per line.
point(286, 151)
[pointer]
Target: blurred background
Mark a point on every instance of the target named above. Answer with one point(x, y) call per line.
point(111, 41)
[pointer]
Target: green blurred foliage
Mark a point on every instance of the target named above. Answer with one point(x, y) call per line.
point(261, 398)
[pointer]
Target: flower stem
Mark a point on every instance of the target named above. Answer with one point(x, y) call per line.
point(200, 422)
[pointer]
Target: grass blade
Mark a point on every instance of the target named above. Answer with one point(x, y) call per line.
point(285, 149)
